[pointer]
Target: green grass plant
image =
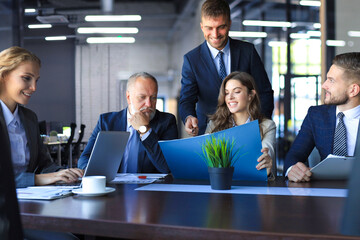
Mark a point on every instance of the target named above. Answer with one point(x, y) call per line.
point(219, 152)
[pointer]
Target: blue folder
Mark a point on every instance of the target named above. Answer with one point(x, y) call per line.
point(184, 159)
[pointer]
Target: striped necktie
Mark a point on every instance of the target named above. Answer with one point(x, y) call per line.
point(340, 141)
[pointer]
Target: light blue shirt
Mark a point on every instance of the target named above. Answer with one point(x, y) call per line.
point(226, 50)
point(129, 128)
point(20, 152)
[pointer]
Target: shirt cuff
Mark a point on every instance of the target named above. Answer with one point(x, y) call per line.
point(287, 171)
point(143, 137)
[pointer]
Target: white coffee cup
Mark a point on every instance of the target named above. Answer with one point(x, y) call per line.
point(93, 184)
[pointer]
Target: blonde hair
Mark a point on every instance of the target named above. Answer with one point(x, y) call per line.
point(12, 57)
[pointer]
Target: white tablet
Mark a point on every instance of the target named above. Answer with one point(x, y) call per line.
point(333, 168)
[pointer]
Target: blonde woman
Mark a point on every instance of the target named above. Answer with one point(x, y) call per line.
point(238, 103)
point(19, 73)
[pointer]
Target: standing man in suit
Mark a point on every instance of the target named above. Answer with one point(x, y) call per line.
point(206, 66)
point(146, 126)
point(331, 128)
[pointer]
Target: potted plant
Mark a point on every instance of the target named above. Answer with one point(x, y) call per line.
point(220, 157)
point(53, 136)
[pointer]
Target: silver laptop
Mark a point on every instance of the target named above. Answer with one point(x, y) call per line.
point(107, 154)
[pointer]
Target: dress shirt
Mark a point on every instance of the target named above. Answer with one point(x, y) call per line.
point(20, 152)
point(131, 130)
point(226, 50)
point(351, 121)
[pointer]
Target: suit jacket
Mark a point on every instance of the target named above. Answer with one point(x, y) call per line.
point(150, 158)
point(200, 81)
point(9, 209)
point(40, 159)
point(317, 130)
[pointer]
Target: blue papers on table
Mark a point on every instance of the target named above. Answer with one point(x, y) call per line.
point(43, 193)
point(137, 178)
point(183, 156)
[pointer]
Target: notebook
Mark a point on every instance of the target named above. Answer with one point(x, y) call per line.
point(183, 156)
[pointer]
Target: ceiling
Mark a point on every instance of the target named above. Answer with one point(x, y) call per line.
point(160, 18)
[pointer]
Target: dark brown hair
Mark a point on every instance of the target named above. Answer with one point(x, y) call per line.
point(350, 62)
point(215, 8)
point(222, 118)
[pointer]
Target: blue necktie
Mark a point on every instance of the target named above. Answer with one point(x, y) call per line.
point(130, 160)
point(222, 71)
point(340, 141)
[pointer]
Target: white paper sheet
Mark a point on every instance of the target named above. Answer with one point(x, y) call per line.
point(315, 192)
point(42, 193)
point(138, 178)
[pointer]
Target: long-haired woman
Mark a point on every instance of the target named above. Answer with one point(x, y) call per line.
point(238, 103)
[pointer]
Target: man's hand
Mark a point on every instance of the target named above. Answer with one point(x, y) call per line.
point(139, 119)
point(67, 175)
point(191, 126)
point(299, 173)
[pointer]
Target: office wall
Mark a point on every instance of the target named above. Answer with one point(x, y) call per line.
point(347, 18)
point(102, 68)
point(54, 99)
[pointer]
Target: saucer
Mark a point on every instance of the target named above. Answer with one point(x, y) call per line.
point(80, 192)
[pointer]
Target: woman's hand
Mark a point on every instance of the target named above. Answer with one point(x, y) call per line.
point(67, 175)
point(264, 161)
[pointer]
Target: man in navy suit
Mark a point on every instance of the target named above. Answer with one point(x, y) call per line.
point(204, 68)
point(342, 97)
point(146, 126)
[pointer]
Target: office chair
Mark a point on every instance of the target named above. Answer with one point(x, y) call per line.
point(42, 128)
point(65, 152)
point(76, 149)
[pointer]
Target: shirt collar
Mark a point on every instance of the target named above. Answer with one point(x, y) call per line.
point(353, 113)
point(214, 52)
point(8, 115)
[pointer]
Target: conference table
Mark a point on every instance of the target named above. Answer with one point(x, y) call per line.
point(132, 214)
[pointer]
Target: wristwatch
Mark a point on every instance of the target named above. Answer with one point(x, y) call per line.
point(143, 129)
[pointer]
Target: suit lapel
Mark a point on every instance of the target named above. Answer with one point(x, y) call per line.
point(234, 55)
point(332, 120)
point(357, 145)
point(30, 132)
point(208, 61)
point(3, 126)
point(123, 120)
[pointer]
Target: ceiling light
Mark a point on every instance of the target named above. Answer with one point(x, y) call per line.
point(247, 34)
point(55, 38)
point(317, 25)
point(266, 23)
point(314, 33)
point(30, 10)
point(335, 43)
point(299, 35)
point(277, 44)
point(112, 18)
point(32, 26)
point(116, 30)
point(354, 33)
point(110, 40)
point(310, 3)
